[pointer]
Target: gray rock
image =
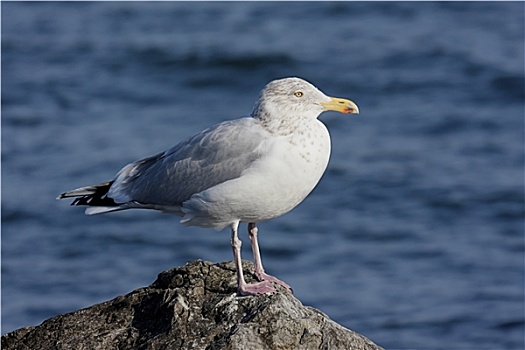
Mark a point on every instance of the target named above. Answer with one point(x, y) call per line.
point(191, 307)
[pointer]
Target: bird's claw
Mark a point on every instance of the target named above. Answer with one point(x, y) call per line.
point(262, 276)
point(256, 288)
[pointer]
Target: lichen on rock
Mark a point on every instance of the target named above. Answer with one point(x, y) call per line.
point(191, 307)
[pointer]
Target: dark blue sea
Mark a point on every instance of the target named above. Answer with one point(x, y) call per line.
point(415, 235)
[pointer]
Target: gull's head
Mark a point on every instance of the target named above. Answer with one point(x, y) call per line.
point(292, 97)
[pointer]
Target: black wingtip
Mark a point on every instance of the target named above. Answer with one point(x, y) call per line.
point(90, 195)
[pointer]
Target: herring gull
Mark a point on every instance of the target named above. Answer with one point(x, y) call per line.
point(250, 169)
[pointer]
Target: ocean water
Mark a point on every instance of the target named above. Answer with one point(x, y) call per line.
point(414, 236)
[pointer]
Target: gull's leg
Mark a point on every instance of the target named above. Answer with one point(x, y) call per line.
point(244, 288)
point(259, 269)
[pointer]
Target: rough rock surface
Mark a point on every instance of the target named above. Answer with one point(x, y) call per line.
point(191, 307)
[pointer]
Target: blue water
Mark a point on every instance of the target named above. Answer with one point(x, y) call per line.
point(414, 236)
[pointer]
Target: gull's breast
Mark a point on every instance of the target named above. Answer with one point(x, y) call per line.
point(289, 169)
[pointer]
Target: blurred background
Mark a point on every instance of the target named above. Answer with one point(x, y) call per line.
point(414, 236)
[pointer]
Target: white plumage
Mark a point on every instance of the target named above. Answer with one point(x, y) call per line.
point(250, 169)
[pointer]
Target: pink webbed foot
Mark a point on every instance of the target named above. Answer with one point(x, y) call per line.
point(257, 262)
point(262, 276)
point(256, 288)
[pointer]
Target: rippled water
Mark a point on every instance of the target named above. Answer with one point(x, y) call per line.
point(414, 237)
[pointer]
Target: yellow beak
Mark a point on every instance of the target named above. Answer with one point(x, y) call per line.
point(341, 105)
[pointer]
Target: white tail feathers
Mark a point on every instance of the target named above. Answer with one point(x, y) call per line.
point(102, 210)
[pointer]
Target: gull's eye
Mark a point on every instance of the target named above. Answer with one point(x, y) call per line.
point(298, 94)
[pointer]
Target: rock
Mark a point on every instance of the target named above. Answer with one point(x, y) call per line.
point(191, 307)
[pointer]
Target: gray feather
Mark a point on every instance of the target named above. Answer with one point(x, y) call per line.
point(211, 157)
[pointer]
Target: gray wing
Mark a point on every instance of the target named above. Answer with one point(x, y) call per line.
point(216, 155)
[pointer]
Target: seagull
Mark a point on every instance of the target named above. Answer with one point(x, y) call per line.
point(252, 169)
